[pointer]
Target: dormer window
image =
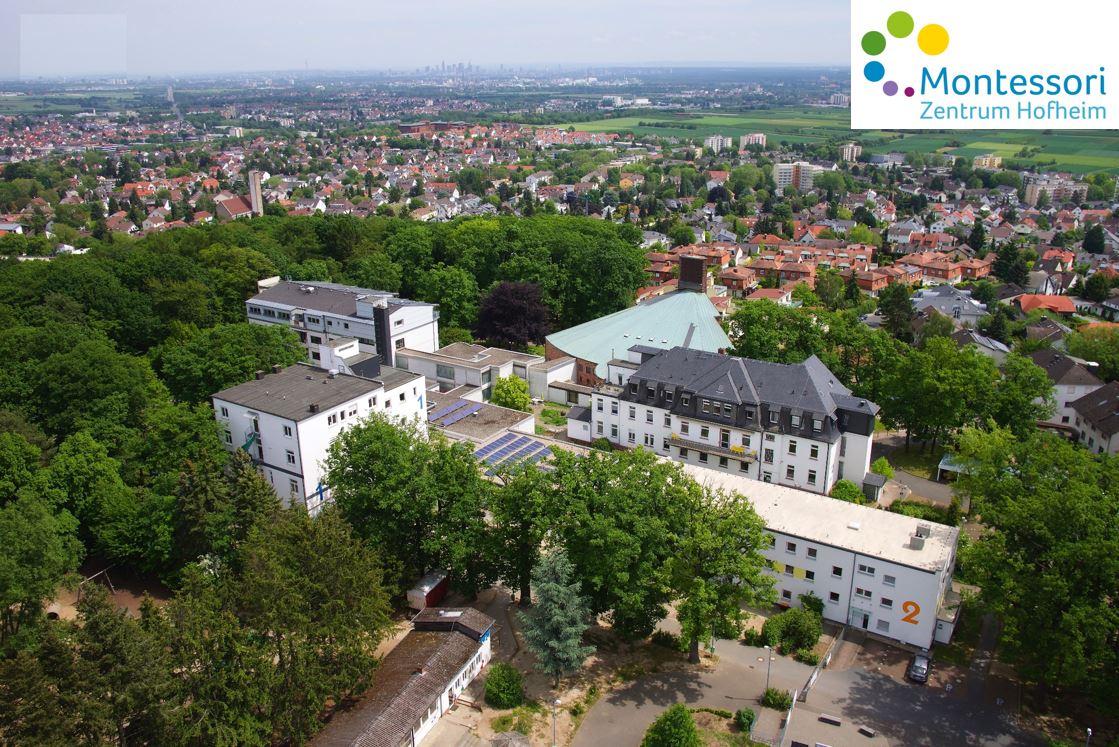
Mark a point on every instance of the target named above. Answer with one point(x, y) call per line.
point(706, 405)
point(817, 424)
point(633, 388)
point(773, 415)
point(795, 420)
point(685, 399)
point(650, 391)
point(668, 395)
point(727, 411)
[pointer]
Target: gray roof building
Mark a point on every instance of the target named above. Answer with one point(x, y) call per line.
point(1063, 370)
point(1101, 409)
point(740, 392)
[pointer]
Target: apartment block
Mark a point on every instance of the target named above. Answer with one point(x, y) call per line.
point(793, 425)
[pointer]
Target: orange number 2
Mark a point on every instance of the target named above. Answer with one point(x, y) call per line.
point(911, 610)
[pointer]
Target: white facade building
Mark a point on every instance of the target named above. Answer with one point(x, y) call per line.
point(793, 425)
point(753, 138)
point(883, 572)
point(322, 312)
point(287, 419)
point(800, 175)
point(718, 143)
point(1071, 380)
point(850, 152)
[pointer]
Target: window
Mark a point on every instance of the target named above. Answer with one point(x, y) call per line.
point(790, 473)
point(786, 594)
point(398, 322)
point(888, 580)
point(703, 457)
point(790, 547)
point(706, 405)
point(599, 428)
point(866, 570)
point(290, 456)
point(837, 571)
point(861, 592)
point(633, 387)
point(667, 421)
point(723, 462)
point(332, 419)
point(704, 432)
point(293, 487)
point(444, 372)
point(772, 541)
point(795, 419)
point(287, 431)
point(685, 399)
point(664, 444)
point(887, 603)
point(833, 597)
point(684, 427)
point(788, 570)
point(773, 416)
point(767, 456)
point(727, 411)
point(632, 413)
point(228, 437)
point(668, 395)
point(770, 437)
point(649, 416)
point(814, 451)
point(402, 396)
point(316, 339)
point(792, 447)
point(749, 414)
point(613, 408)
point(224, 412)
point(744, 466)
point(372, 402)
point(767, 477)
point(883, 626)
point(614, 431)
point(810, 575)
point(650, 439)
point(650, 391)
point(683, 453)
point(817, 424)
point(811, 477)
point(843, 446)
point(746, 441)
point(598, 405)
point(812, 552)
point(487, 376)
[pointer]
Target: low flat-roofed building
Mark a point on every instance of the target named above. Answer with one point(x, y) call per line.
point(416, 682)
point(462, 363)
point(462, 418)
point(886, 573)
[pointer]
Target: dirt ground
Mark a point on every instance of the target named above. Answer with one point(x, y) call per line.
point(126, 588)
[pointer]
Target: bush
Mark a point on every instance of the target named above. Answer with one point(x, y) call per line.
point(720, 712)
point(793, 629)
point(882, 466)
point(745, 718)
point(504, 688)
point(673, 728)
point(807, 656)
point(753, 637)
point(602, 444)
point(778, 700)
point(937, 514)
point(812, 603)
point(845, 490)
point(665, 639)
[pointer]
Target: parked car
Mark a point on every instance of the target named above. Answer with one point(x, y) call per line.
point(918, 670)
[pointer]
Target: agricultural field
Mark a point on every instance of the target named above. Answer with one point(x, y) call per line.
point(1084, 151)
point(69, 103)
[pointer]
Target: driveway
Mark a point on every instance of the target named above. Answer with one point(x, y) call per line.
point(900, 713)
point(935, 492)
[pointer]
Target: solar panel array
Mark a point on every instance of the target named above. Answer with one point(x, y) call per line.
point(512, 449)
point(463, 413)
point(443, 412)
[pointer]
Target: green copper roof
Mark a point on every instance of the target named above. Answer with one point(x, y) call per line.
point(682, 318)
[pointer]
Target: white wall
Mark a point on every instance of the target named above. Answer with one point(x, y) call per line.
point(1063, 397)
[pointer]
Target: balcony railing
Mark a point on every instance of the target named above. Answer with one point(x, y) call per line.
point(737, 452)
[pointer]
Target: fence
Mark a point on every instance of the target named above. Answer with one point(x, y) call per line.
point(824, 661)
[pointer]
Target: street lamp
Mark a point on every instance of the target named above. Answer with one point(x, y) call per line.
point(768, 666)
point(1087, 742)
point(554, 704)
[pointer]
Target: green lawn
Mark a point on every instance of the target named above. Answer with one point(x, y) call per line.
point(916, 461)
point(1077, 151)
point(553, 416)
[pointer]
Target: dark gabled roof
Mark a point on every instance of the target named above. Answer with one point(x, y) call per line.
point(1063, 370)
point(1101, 408)
point(579, 413)
point(807, 386)
point(466, 620)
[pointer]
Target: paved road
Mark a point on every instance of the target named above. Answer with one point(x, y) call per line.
point(936, 492)
point(901, 714)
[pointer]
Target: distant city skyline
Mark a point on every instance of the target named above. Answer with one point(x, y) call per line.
point(53, 38)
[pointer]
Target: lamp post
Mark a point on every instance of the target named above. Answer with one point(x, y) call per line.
point(554, 704)
point(768, 665)
point(1088, 741)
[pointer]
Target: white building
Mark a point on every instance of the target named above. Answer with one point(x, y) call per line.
point(1097, 419)
point(794, 425)
point(417, 681)
point(850, 152)
point(718, 143)
point(287, 419)
point(883, 572)
point(800, 175)
point(322, 312)
point(1071, 381)
point(462, 364)
point(753, 138)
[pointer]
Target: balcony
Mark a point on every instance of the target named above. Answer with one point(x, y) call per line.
point(735, 452)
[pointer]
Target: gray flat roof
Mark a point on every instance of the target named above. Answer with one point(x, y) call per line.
point(472, 356)
point(290, 393)
point(860, 529)
point(326, 298)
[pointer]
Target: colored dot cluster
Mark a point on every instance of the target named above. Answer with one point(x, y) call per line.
point(932, 40)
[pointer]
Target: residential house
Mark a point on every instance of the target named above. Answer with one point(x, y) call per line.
point(1071, 379)
point(1097, 419)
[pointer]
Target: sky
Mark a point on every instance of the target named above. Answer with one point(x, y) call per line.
point(161, 37)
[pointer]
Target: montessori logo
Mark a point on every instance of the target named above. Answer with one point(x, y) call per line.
point(932, 39)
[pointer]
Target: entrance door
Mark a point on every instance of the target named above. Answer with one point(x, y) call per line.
point(866, 621)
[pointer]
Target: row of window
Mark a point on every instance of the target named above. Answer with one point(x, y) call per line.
point(718, 409)
point(883, 626)
point(269, 313)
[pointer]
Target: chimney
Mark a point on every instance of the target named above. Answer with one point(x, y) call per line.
point(259, 375)
point(693, 274)
point(276, 368)
point(332, 373)
point(313, 407)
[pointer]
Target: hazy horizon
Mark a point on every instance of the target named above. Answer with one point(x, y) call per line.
point(62, 38)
